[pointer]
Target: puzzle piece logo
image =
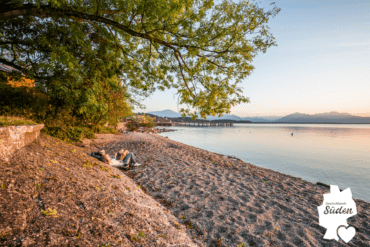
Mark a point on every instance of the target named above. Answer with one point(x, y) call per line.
point(334, 212)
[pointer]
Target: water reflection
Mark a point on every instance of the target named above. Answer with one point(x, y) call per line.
point(332, 132)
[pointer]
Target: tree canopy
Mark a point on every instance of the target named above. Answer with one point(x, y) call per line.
point(76, 49)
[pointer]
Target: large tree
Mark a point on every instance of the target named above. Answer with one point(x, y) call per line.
point(200, 48)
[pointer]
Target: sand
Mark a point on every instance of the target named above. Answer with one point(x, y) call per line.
point(226, 202)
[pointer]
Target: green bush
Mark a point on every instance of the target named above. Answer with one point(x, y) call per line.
point(24, 102)
point(69, 133)
point(61, 121)
point(105, 130)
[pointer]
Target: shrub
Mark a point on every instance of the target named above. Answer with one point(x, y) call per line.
point(61, 120)
point(69, 133)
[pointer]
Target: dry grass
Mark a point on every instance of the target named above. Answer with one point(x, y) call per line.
point(6, 121)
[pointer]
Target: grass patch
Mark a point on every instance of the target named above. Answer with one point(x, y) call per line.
point(50, 212)
point(88, 164)
point(104, 168)
point(134, 238)
point(14, 121)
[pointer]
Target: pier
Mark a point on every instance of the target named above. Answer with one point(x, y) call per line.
point(167, 122)
point(203, 124)
point(164, 124)
point(190, 124)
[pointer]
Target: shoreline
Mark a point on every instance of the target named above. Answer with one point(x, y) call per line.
point(236, 158)
point(342, 181)
point(224, 201)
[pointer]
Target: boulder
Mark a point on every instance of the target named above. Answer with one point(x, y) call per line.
point(13, 138)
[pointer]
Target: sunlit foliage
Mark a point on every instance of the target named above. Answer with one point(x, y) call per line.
point(70, 47)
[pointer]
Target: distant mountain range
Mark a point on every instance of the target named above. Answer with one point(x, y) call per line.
point(173, 114)
point(165, 113)
point(330, 117)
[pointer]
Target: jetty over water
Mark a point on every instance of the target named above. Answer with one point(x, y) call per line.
point(163, 123)
point(159, 121)
point(203, 124)
point(193, 124)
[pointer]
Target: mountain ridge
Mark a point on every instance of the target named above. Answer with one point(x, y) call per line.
point(328, 117)
point(172, 114)
point(297, 117)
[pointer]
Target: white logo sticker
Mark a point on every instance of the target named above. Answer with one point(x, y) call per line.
point(334, 212)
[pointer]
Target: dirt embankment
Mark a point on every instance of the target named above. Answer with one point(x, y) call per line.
point(53, 194)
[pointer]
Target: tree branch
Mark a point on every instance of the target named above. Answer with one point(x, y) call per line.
point(46, 11)
point(183, 77)
point(11, 64)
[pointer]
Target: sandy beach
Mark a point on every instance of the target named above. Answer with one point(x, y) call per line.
point(223, 201)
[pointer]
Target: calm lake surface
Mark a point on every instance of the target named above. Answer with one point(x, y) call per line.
point(331, 154)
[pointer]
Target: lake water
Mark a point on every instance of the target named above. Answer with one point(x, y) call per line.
point(331, 154)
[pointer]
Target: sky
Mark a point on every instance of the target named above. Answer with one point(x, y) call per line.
point(321, 63)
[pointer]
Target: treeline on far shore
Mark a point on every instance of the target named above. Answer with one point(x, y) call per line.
point(189, 120)
point(354, 120)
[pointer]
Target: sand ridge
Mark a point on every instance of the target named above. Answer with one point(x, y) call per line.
point(226, 202)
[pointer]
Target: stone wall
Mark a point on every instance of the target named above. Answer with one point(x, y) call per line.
point(13, 138)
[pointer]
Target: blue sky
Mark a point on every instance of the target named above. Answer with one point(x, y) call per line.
point(321, 63)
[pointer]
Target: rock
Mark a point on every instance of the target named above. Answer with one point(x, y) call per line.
point(13, 138)
point(324, 185)
point(102, 152)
